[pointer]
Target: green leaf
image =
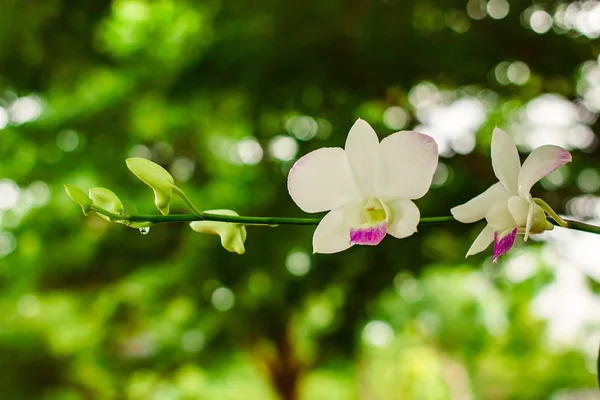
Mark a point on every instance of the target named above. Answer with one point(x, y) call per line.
point(79, 197)
point(155, 176)
point(232, 235)
point(107, 200)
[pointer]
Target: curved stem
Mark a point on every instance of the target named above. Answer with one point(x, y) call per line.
point(187, 201)
point(548, 210)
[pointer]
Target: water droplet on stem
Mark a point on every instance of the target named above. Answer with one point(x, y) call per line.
point(144, 230)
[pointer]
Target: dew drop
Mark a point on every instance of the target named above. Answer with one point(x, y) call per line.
point(144, 230)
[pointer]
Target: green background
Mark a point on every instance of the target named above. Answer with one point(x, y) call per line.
point(226, 95)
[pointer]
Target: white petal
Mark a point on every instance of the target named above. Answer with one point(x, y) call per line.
point(476, 208)
point(322, 180)
point(482, 241)
point(405, 218)
point(540, 163)
point(529, 220)
point(500, 218)
point(407, 161)
point(505, 160)
point(519, 209)
point(362, 148)
point(332, 233)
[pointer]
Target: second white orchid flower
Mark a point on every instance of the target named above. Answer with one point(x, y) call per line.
point(507, 205)
point(366, 187)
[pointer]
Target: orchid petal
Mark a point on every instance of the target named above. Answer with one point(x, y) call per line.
point(407, 161)
point(362, 149)
point(519, 209)
point(541, 162)
point(370, 235)
point(365, 230)
point(482, 241)
point(502, 244)
point(322, 180)
point(505, 160)
point(404, 218)
point(332, 234)
point(529, 221)
point(500, 218)
point(476, 208)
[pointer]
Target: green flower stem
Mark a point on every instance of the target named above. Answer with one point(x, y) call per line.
point(548, 210)
point(581, 226)
point(273, 221)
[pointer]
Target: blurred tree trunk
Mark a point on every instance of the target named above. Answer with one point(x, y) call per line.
point(285, 369)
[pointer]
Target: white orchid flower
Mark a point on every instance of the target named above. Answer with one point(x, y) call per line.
point(507, 205)
point(366, 187)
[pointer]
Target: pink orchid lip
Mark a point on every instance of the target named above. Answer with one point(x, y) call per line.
point(503, 244)
point(370, 236)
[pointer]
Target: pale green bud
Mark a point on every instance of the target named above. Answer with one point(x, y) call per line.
point(539, 223)
point(107, 200)
point(232, 235)
point(79, 197)
point(155, 176)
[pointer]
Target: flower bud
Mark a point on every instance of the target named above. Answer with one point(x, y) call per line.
point(232, 234)
point(79, 197)
point(107, 200)
point(155, 176)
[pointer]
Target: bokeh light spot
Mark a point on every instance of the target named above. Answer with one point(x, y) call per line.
point(477, 9)
point(378, 333)
point(395, 118)
point(540, 21)
point(25, 109)
point(441, 175)
point(182, 169)
point(8, 243)
point(28, 305)
point(67, 140)
point(498, 9)
point(192, 340)
point(518, 73)
point(457, 21)
point(9, 194)
point(283, 148)
point(588, 180)
point(298, 263)
point(140, 151)
point(3, 118)
point(223, 299)
point(249, 151)
point(303, 127)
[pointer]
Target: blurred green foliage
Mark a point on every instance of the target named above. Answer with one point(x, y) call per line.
point(226, 95)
